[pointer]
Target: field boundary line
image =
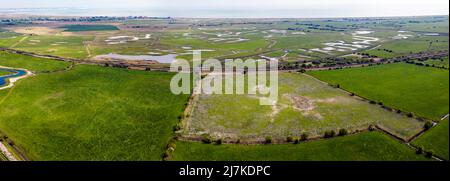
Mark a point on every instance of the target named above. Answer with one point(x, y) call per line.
point(198, 138)
point(6, 152)
point(445, 117)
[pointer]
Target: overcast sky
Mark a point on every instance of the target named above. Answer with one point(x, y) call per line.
point(248, 8)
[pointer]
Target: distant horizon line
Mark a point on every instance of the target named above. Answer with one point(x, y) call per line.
point(220, 14)
point(184, 17)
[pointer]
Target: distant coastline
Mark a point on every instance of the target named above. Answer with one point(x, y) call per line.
point(195, 13)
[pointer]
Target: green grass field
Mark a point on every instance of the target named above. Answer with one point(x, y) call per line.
point(412, 45)
point(64, 46)
point(35, 64)
point(365, 146)
point(91, 113)
point(410, 88)
point(438, 62)
point(436, 139)
point(77, 28)
point(8, 38)
point(305, 105)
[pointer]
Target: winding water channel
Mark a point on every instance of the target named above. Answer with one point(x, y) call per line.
point(14, 73)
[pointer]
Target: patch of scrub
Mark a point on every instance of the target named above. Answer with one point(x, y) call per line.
point(304, 105)
point(300, 103)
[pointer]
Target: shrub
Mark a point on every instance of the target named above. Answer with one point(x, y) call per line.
point(219, 141)
point(206, 138)
point(268, 139)
point(428, 154)
point(172, 145)
point(428, 125)
point(329, 134)
point(10, 142)
point(342, 132)
point(289, 139)
point(304, 137)
point(399, 111)
point(371, 128)
point(177, 127)
point(296, 140)
point(419, 150)
point(166, 155)
point(410, 114)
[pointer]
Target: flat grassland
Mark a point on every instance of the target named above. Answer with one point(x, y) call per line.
point(305, 105)
point(436, 140)
point(412, 45)
point(369, 146)
point(91, 113)
point(35, 64)
point(438, 62)
point(410, 88)
point(8, 38)
point(64, 46)
point(76, 28)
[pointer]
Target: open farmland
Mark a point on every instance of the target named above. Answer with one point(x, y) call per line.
point(91, 113)
point(121, 108)
point(369, 146)
point(410, 45)
point(410, 88)
point(305, 105)
point(8, 38)
point(65, 46)
point(436, 140)
point(437, 62)
point(37, 65)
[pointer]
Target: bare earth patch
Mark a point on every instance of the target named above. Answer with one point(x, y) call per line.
point(39, 30)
